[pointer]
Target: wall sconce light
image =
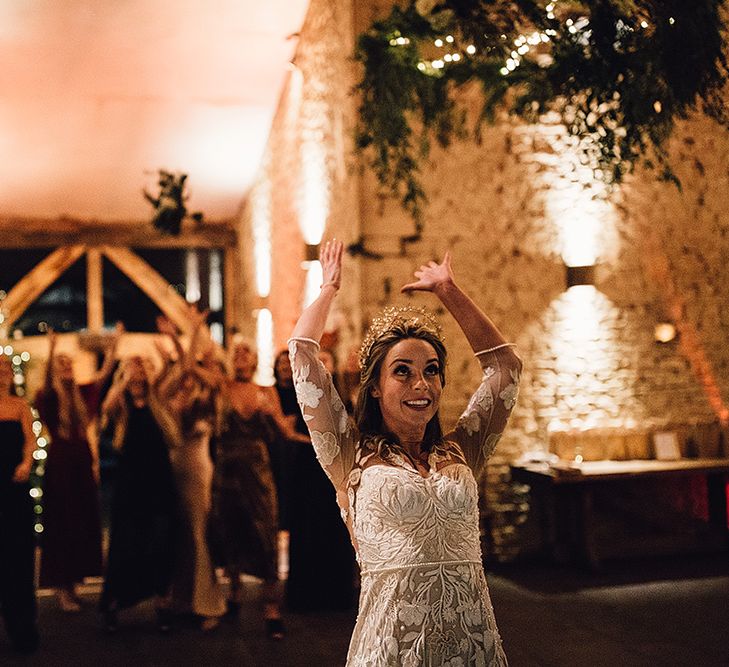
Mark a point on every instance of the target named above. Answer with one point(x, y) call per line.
point(580, 275)
point(311, 252)
point(664, 332)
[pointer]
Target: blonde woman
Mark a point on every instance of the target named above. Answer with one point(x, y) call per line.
point(189, 392)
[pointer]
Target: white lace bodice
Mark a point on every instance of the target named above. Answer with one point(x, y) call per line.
point(424, 597)
point(404, 519)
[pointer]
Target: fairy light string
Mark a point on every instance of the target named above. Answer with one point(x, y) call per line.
point(19, 361)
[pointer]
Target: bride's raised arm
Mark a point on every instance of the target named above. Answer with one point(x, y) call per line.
point(480, 427)
point(329, 426)
point(313, 319)
point(478, 328)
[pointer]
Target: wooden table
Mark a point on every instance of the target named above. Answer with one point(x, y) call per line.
point(566, 498)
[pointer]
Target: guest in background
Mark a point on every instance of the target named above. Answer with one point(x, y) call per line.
point(319, 546)
point(72, 535)
point(245, 517)
point(188, 391)
point(144, 511)
point(17, 536)
point(284, 385)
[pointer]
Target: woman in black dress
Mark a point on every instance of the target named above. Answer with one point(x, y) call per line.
point(319, 546)
point(144, 504)
point(17, 554)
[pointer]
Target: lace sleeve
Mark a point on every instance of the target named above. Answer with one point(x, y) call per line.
point(332, 433)
point(480, 426)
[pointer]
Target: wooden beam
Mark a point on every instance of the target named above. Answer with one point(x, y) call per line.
point(94, 291)
point(34, 283)
point(152, 284)
point(18, 232)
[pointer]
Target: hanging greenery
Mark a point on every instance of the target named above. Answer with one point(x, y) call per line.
point(618, 72)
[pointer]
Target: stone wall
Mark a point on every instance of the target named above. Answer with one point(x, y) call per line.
point(307, 183)
point(511, 210)
point(508, 210)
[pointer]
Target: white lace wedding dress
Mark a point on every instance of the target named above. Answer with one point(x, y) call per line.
point(424, 598)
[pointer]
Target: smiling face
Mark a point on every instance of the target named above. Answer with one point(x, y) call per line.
point(409, 387)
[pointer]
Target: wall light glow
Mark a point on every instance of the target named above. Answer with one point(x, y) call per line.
point(217, 332)
point(584, 353)
point(664, 332)
point(576, 202)
point(314, 279)
point(315, 190)
point(264, 344)
point(580, 316)
point(215, 294)
point(579, 234)
point(261, 230)
point(192, 277)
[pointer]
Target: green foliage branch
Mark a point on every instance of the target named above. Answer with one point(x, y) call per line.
point(618, 72)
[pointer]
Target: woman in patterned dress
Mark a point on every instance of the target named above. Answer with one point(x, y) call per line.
point(245, 506)
point(408, 493)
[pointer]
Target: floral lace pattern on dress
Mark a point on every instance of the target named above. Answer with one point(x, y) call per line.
point(424, 597)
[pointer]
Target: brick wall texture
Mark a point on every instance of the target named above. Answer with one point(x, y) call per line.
point(510, 210)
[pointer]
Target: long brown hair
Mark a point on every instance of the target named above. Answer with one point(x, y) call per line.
point(160, 412)
point(73, 417)
point(368, 415)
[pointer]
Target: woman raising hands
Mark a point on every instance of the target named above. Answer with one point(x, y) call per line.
point(408, 491)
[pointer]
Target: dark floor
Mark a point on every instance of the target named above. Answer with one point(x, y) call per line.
point(659, 612)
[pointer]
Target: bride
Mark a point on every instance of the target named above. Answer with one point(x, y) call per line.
point(408, 492)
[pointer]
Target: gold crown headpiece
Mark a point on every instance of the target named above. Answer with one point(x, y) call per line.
point(393, 316)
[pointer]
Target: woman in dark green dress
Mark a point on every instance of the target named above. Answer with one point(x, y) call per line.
point(144, 509)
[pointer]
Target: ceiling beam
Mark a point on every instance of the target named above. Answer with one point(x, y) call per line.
point(19, 232)
point(37, 280)
point(175, 308)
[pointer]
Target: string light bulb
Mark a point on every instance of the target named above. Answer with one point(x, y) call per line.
point(40, 454)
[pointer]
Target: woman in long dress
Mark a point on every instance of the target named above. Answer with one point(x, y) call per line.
point(144, 503)
point(17, 536)
point(245, 507)
point(72, 536)
point(319, 546)
point(408, 492)
point(191, 395)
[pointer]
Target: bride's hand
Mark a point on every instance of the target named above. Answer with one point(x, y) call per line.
point(432, 275)
point(331, 263)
